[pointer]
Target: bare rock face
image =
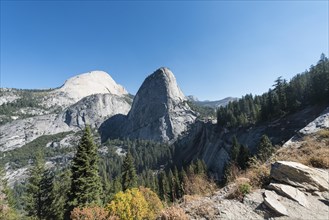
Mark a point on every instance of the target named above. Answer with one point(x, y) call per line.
point(299, 175)
point(83, 85)
point(20, 132)
point(271, 200)
point(88, 98)
point(94, 110)
point(321, 122)
point(159, 111)
point(290, 192)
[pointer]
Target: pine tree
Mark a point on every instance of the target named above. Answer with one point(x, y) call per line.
point(85, 180)
point(183, 180)
point(116, 187)
point(37, 199)
point(164, 187)
point(235, 149)
point(243, 157)
point(172, 186)
point(179, 192)
point(200, 167)
point(129, 177)
point(61, 187)
point(7, 211)
point(264, 148)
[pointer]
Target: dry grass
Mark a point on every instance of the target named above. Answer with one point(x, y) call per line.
point(258, 173)
point(191, 198)
point(206, 210)
point(324, 133)
point(313, 151)
point(241, 188)
point(173, 213)
point(199, 185)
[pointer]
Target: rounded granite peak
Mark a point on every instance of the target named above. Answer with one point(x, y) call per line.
point(161, 85)
point(159, 111)
point(163, 71)
point(93, 82)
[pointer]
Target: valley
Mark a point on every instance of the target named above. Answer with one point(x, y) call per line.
point(167, 134)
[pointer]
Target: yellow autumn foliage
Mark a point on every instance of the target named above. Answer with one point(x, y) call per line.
point(129, 205)
point(154, 203)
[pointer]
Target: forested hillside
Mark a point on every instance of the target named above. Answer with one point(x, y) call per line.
point(308, 88)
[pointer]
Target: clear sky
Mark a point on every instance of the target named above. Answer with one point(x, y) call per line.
point(215, 49)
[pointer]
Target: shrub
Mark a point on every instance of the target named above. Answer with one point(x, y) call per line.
point(319, 162)
point(135, 204)
point(231, 172)
point(324, 133)
point(311, 151)
point(90, 213)
point(245, 188)
point(130, 204)
point(258, 173)
point(198, 185)
point(154, 203)
point(173, 213)
point(241, 188)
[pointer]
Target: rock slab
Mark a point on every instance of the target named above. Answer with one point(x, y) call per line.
point(299, 175)
point(271, 201)
point(290, 192)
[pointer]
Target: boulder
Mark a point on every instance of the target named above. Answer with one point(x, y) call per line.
point(299, 175)
point(290, 192)
point(271, 201)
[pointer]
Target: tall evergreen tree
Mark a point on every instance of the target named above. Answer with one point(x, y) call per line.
point(172, 186)
point(264, 148)
point(85, 180)
point(243, 157)
point(179, 189)
point(164, 187)
point(235, 149)
point(7, 211)
point(38, 195)
point(61, 187)
point(183, 180)
point(129, 177)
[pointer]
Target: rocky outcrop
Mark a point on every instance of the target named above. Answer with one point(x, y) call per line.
point(212, 142)
point(321, 122)
point(23, 131)
point(289, 192)
point(299, 175)
point(7, 96)
point(279, 201)
point(83, 85)
point(206, 142)
point(272, 201)
point(95, 109)
point(92, 110)
point(159, 112)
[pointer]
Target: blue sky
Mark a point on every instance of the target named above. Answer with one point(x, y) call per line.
point(215, 49)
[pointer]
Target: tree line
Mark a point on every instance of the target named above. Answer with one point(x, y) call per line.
point(308, 88)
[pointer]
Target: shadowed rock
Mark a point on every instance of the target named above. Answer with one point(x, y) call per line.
point(299, 175)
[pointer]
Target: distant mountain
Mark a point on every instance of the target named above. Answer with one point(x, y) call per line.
point(159, 112)
point(88, 98)
point(211, 104)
